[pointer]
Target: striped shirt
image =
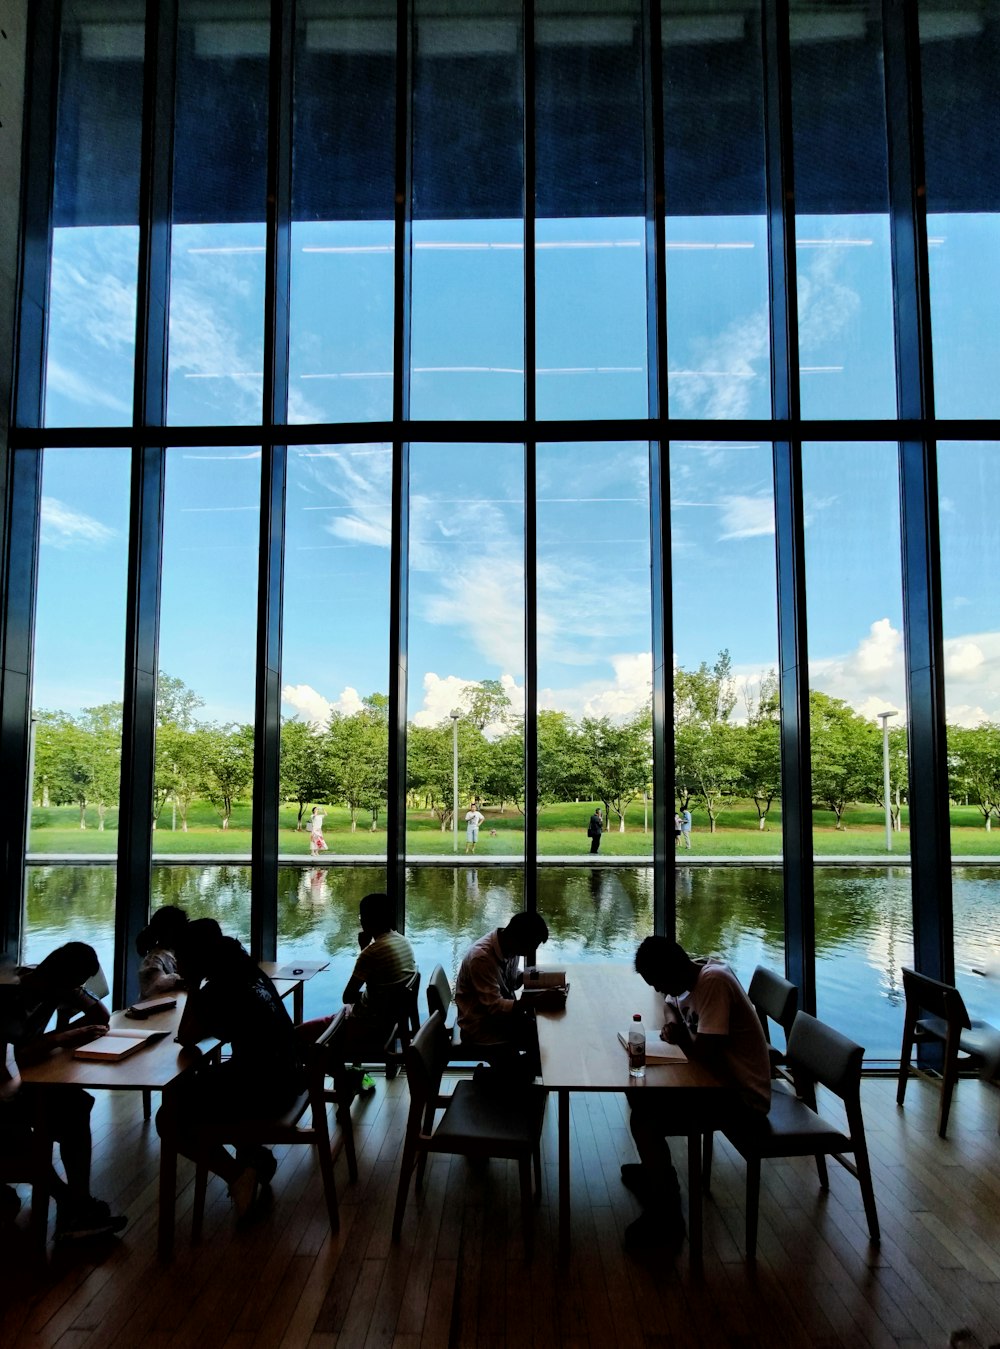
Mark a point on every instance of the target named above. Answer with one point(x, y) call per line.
point(383, 966)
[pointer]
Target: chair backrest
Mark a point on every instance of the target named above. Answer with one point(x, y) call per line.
point(821, 1054)
point(930, 995)
point(438, 992)
point(425, 1059)
point(774, 998)
point(324, 1057)
point(413, 1002)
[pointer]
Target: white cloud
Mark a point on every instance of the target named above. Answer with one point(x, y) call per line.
point(620, 698)
point(82, 390)
point(745, 517)
point(63, 527)
point(963, 659)
point(314, 708)
point(443, 695)
point(870, 678)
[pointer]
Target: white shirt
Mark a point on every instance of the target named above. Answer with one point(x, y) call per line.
point(717, 1005)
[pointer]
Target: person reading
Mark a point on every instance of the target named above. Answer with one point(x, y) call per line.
point(709, 1016)
point(372, 994)
point(490, 1015)
point(28, 1003)
point(231, 999)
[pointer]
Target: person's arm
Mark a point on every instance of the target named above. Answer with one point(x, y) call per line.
point(352, 990)
point(193, 1027)
point(708, 1050)
point(484, 979)
point(91, 1023)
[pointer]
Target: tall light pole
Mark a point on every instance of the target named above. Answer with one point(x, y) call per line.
point(454, 779)
point(884, 719)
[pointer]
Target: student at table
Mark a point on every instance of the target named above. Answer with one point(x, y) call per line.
point(232, 1000)
point(28, 1003)
point(490, 1014)
point(371, 995)
point(709, 1016)
point(157, 945)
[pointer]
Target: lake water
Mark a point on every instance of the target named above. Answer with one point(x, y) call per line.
point(863, 922)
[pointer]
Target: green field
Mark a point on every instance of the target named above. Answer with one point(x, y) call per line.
point(561, 831)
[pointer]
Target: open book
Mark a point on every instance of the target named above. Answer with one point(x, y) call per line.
point(116, 1044)
point(657, 1051)
point(536, 978)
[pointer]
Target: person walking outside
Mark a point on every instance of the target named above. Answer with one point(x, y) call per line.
point(473, 819)
point(317, 843)
point(686, 827)
point(595, 829)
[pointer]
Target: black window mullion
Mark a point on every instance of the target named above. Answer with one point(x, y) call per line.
point(661, 576)
point(930, 840)
point(399, 547)
point(530, 474)
point(145, 551)
point(23, 475)
point(274, 468)
point(796, 773)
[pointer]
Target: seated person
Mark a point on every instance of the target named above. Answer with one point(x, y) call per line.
point(231, 999)
point(490, 1015)
point(27, 1005)
point(710, 1017)
point(157, 945)
point(372, 994)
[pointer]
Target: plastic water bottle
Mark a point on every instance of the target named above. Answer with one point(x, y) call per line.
point(636, 1048)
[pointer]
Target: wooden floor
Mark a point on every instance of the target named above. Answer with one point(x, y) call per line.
point(459, 1276)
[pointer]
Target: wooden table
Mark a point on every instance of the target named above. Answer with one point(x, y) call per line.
point(580, 1051)
point(158, 1066)
point(290, 976)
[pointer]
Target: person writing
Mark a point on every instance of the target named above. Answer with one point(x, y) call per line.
point(708, 1015)
point(28, 1002)
point(490, 1015)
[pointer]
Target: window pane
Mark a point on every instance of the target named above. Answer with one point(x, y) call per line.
point(590, 204)
point(595, 663)
point(335, 649)
point(340, 362)
point(716, 227)
point(968, 480)
point(208, 628)
point(95, 216)
point(466, 648)
point(216, 358)
point(959, 53)
point(79, 660)
point(864, 925)
point(843, 258)
point(727, 756)
point(468, 231)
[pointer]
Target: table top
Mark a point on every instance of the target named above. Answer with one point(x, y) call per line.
point(579, 1045)
point(293, 969)
point(155, 1066)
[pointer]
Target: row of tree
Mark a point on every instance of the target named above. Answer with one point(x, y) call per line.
point(722, 756)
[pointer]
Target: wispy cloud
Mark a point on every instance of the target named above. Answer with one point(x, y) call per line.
point(64, 527)
point(745, 517)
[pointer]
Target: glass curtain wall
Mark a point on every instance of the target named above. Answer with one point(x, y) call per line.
point(475, 315)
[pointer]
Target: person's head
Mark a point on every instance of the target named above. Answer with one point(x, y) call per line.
point(199, 950)
point(597, 811)
point(665, 966)
point(523, 934)
point(68, 966)
point(164, 930)
point(377, 913)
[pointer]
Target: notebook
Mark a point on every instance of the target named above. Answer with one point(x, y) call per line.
point(116, 1044)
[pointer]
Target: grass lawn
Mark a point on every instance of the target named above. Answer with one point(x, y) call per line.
point(562, 832)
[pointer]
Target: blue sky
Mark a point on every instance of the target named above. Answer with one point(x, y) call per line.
point(467, 508)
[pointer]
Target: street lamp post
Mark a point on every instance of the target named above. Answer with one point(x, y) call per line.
point(884, 719)
point(454, 779)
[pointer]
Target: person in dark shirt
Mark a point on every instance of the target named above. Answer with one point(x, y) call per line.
point(232, 1000)
point(28, 1002)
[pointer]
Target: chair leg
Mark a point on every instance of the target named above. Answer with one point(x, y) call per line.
point(147, 1103)
point(346, 1123)
point(821, 1171)
point(405, 1172)
point(867, 1188)
point(904, 1060)
point(329, 1183)
point(200, 1190)
point(753, 1205)
point(949, 1077)
point(527, 1217)
point(707, 1142)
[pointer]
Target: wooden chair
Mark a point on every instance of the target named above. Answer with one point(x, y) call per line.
point(287, 1128)
point(936, 1012)
point(475, 1123)
point(439, 999)
point(792, 1128)
point(774, 999)
point(406, 1026)
point(33, 1166)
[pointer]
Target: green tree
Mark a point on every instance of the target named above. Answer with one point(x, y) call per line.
point(226, 765)
point(711, 759)
point(562, 759)
point(355, 757)
point(762, 753)
point(619, 758)
point(101, 729)
point(176, 704)
point(974, 767)
point(486, 704)
point(501, 769)
point(300, 768)
point(179, 769)
point(845, 753)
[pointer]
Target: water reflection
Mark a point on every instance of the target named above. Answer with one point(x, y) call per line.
point(863, 922)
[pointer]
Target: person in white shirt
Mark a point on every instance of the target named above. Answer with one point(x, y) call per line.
point(473, 820)
point(317, 843)
point(709, 1016)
